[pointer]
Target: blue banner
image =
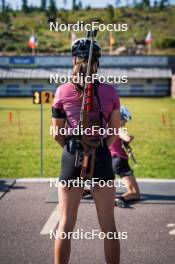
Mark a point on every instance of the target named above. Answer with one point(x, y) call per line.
point(25, 60)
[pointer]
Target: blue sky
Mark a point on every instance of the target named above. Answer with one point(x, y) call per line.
point(60, 3)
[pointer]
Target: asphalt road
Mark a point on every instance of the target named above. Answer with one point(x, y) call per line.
point(27, 210)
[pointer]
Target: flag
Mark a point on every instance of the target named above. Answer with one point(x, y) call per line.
point(33, 42)
point(73, 37)
point(148, 39)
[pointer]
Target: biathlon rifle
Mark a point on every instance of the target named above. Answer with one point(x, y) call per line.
point(89, 145)
point(129, 151)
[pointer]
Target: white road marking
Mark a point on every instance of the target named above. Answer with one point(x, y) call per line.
point(51, 179)
point(155, 180)
point(51, 223)
point(33, 180)
point(171, 232)
point(170, 225)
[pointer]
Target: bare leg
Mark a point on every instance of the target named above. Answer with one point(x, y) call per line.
point(68, 207)
point(133, 192)
point(104, 200)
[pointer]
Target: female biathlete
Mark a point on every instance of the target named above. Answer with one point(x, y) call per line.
point(120, 163)
point(66, 110)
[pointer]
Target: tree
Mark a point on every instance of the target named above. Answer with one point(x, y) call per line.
point(74, 5)
point(80, 5)
point(52, 11)
point(110, 11)
point(3, 5)
point(135, 3)
point(24, 5)
point(163, 4)
point(88, 7)
point(43, 4)
point(146, 3)
point(155, 3)
point(52, 7)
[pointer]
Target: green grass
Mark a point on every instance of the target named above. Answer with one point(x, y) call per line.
point(15, 36)
point(154, 144)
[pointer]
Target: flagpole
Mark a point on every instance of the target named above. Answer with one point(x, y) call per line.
point(33, 51)
point(149, 48)
point(110, 43)
point(73, 37)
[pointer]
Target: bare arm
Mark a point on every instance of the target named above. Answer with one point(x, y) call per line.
point(114, 122)
point(59, 123)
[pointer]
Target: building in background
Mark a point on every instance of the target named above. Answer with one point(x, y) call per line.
point(146, 75)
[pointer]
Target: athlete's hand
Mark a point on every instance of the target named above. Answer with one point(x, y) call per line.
point(58, 123)
point(131, 138)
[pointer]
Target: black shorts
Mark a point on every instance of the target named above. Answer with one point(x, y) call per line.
point(102, 169)
point(121, 167)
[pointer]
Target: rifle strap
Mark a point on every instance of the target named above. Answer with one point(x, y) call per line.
point(102, 116)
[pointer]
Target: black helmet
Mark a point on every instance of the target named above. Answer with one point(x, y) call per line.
point(81, 47)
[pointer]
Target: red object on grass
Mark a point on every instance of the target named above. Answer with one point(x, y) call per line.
point(163, 119)
point(10, 118)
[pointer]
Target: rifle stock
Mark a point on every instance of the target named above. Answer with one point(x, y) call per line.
point(89, 146)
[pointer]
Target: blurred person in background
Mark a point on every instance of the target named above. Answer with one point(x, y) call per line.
point(120, 162)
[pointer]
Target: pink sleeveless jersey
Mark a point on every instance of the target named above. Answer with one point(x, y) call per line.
point(68, 99)
point(117, 150)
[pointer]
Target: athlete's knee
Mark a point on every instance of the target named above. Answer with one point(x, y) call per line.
point(136, 191)
point(133, 189)
point(67, 225)
point(108, 226)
